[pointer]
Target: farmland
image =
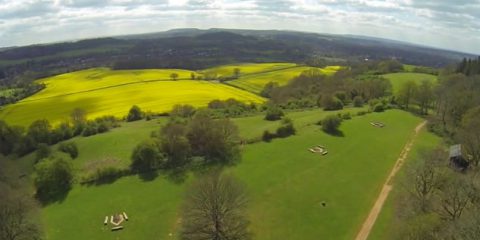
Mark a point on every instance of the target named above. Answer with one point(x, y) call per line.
point(286, 182)
point(293, 193)
point(100, 99)
point(102, 91)
point(256, 82)
point(247, 68)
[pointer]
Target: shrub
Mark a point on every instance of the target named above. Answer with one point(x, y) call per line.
point(183, 111)
point(342, 96)
point(107, 175)
point(40, 131)
point(146, 157)
point(331, 103)
point(287, 129)
point(102, 127)
point(268, 89)
point(267, 136)
point(52, 178)
point(70, 148)
point(134, 114)
point(43, 151)
point(361, 113)
point(379, 107)
point(346, 116)
point(274, 113)
point(358, 101)
point(89, 129)
point(331, 123)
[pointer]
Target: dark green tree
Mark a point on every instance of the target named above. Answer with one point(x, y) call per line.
point(147, 157)
point(40, 131)
point(331, 123)
point(174, 76)
point(9, 138)
point(274, 113)
point(70, 148)
point(53, 178)
point(215, 140)
point(134, 114)
point(175, 145)
point(43, 151)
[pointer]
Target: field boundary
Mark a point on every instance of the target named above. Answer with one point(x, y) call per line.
point(156, 80)
point(387, 187)
point(107, 87)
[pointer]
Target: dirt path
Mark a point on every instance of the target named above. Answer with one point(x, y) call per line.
point(387, 187)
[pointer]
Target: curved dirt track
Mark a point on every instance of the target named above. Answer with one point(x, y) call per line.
point(387, 187)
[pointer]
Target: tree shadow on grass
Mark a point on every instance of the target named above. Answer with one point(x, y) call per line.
point(335, 133)
point(148, 176)
point(177, 175)
point(58, 197)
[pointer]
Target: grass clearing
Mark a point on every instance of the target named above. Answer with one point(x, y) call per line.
point(398, 79)
point(285, 181)
point(385, 224)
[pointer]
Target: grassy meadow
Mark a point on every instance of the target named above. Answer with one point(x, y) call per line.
point(385, 224)
point(398, 79)
point(286, 182)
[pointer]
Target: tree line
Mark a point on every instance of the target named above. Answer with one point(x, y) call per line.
point(469, 66)
point(356, 84)
point(20, 141)
point(437, 198)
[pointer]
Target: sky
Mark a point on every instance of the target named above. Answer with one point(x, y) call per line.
point(449, 24)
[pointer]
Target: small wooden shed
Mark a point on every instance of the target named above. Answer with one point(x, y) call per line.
point(457, 159)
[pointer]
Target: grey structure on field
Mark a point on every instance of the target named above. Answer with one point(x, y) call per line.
point(457, 159)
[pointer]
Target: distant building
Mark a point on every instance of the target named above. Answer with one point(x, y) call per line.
point(457, 159)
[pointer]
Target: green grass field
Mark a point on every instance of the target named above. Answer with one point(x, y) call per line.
point(104, 92)
point(121, 141)
point(256, 82)
point(397, 79)
point(285, 181)
point(385, 224)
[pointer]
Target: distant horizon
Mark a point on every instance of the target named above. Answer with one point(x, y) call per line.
point(442, 24)
point(227, 29)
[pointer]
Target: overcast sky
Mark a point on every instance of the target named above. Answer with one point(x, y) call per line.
point(451, 24)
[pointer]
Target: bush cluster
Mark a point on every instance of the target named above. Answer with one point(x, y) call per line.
point(285, 130)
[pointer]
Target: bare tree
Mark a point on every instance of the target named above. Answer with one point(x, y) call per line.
point(78, 116)
point(15, 221)
point(424, 178)
point(456, 194)
point(469, 135)
point(407, 92)
point(214, 210)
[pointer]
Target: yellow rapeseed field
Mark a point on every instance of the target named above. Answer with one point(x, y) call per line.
point(102, 92)
point(256, 81)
